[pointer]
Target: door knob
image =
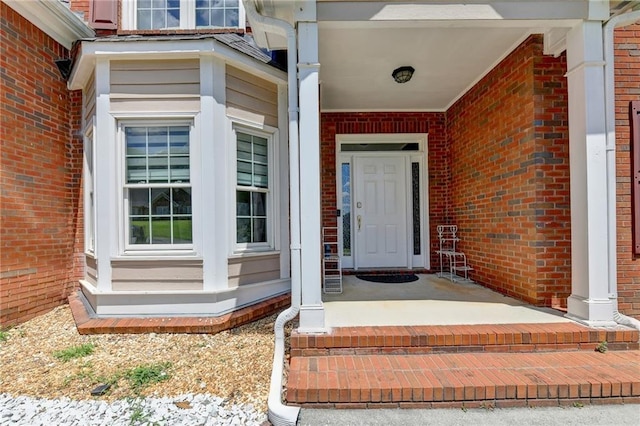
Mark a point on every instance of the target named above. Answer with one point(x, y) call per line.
point(359, 222)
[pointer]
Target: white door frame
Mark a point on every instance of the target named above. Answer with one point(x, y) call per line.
point(420, 156)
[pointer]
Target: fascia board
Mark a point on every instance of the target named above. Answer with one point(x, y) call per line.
point(54, 18)
point(177, 49)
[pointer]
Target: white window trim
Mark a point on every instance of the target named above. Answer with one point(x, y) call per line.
point(89, 188)
point(273, 191)
point(126, 248)
point(187, 16)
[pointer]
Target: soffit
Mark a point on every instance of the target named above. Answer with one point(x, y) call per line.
point(356, 62)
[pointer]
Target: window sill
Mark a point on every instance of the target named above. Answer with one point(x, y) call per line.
point(253, 253)
point(157, 255)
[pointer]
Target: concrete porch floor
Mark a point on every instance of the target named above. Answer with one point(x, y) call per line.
point(429, 301)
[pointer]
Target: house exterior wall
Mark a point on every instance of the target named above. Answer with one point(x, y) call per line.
point(627, 81)
point(431, 123)
point(41, 220)
point(508, 141)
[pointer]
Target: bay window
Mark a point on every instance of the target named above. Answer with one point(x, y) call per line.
point(157, 186)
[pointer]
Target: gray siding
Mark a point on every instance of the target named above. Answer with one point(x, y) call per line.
point(251, 98)
point(253, 269)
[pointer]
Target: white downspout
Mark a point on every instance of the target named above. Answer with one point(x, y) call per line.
point(610, 122)
point(280, 414)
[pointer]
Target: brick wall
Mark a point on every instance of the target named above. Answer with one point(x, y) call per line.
point(41, 227)
point(432, 123)
point(627, 78)
point(508, 141)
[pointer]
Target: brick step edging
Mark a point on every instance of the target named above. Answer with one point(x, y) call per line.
point(462, 338)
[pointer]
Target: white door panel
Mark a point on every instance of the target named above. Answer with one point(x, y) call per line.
point(380, 209)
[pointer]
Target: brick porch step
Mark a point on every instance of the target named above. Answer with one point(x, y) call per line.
point(461, 338)
point(464, 380)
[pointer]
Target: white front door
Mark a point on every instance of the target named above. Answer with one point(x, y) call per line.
point(380, 211)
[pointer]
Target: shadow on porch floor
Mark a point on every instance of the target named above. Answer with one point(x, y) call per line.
point(429, 301)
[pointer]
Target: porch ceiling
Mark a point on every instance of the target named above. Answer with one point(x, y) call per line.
point(357, 59)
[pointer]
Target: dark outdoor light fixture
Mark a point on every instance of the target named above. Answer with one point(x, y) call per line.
point(402, 74)
point(64, 66)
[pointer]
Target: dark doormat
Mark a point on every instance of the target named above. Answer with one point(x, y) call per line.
point(391, 279)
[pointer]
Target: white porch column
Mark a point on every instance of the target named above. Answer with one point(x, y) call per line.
point(106, 226)
point(311, 309)
point(589, 302)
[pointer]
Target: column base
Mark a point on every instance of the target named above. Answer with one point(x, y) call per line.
point(591, 312)
point(312, 319)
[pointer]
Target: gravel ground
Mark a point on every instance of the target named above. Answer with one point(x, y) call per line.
point(227, 369)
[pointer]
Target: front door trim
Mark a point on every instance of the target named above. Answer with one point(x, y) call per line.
point(420, 156)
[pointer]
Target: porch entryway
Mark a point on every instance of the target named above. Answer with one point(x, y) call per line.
point(383, 203)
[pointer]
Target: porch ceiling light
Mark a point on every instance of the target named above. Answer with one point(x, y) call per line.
point(403, 74)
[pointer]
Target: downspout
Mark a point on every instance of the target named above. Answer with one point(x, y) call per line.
point(280, 414)
point(610, 123)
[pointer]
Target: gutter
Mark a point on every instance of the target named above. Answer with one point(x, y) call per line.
point(278, 413)
point(621, 20)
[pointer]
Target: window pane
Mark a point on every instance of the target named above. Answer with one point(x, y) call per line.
point(202, 3)
point(144, 4)
point(136, 170)
point(217, 17)
point(139, 202)
point(243, 206)
point(231, 18)
point(160, 201)
point(158, 169)
point(157, 140)
point(160, 230)
point(144, 19)
point(231, 3)
point(182, 230)
point(179, 169)
point(202, 17)
point(139, 231)
point(179, 140)
point(346, 209)
point(158, 19)
point(259, 231)
point(243, 227)
point(173, 18)
point(181, 201)
point(136, 140)
point(415, 192)
point(244, 150)
point(260, 178)
point(259, 204)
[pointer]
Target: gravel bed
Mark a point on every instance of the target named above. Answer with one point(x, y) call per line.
point(224, 377)
point(181, 410)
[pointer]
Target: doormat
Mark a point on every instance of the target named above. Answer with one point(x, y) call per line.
point(390, 279)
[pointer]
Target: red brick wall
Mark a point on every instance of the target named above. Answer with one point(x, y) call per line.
point(432, 123)
point(41, 227)
point(627, 78)
point(81, 6)
point(509, 176)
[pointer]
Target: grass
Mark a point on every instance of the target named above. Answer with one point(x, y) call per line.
point(79, 351)
point(4, 335)
point(145, 375)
